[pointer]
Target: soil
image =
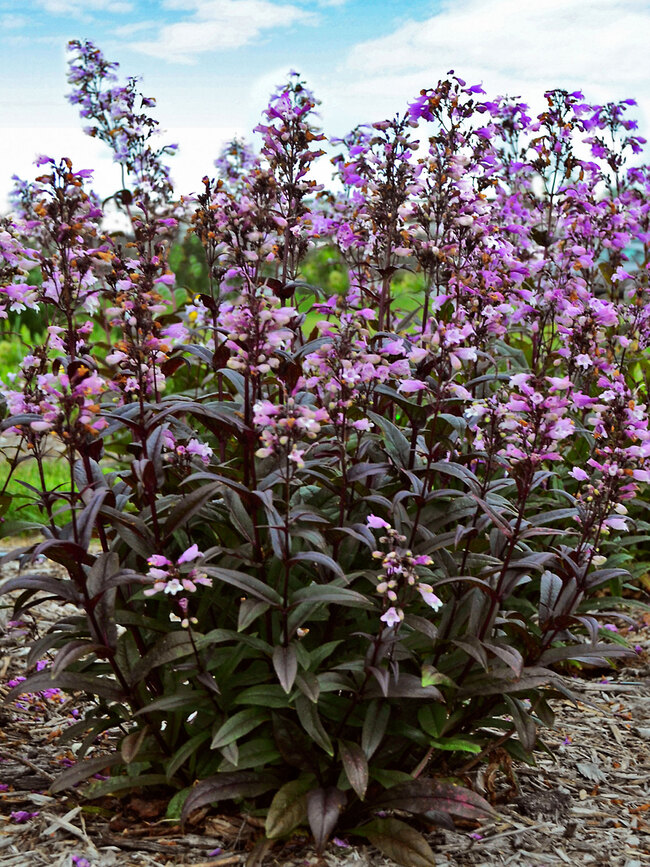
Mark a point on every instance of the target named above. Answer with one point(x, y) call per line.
point(585, 802)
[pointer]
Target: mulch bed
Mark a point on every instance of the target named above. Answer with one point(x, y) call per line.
point(586, 802)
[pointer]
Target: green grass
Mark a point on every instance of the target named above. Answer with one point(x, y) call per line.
point(18, 502)
point(13, 349)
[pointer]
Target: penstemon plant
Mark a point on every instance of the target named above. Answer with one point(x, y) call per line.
point(327, 554)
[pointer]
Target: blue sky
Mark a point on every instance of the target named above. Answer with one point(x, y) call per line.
point(212, 63)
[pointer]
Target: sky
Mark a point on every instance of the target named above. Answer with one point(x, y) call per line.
point(211, 64)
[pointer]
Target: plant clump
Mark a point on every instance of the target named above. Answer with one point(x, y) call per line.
point(327, 551)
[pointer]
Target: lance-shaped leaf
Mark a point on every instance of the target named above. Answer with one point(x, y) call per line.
point(399, 842)
point(249, 611)
point(226, 787)
point(173, 646)
point(285, 663)
point(56, 586)
point(246, 583)
point(288, 808)
point(190, 505)
point(83, 770)
point(311, 722)
point(308, 685)
point(86, 519)
point(332, 595)
point(237, 726)
point(324, 807)
point(550, 586)
point(407, 686)
point(374, 726)
point(590, 653)
point(423, 795)
point(504, 681)
point(185, 752)
point(71, 651)
point(394, 441)
point(355, 765)
point(524, 724)
point(104, 567)
point(70, 681)
point(308, 558)
point(131, 744)
point(292, 742)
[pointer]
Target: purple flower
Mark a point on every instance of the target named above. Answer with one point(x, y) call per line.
point(342, 844)
point(22, 816)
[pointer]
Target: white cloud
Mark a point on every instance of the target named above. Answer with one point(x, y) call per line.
point(217, 25)
point(13, 22)
point(198, 148)
point(82, 7)
point(591, 39)
point(520, 48)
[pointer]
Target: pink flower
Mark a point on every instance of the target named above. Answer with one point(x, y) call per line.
point(393, 616)
point(433, 601)
point(191, 554)
point(579, 474)
point(377, 523)
point(158, 560)
point(409, 386)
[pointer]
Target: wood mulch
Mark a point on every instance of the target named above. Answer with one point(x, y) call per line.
point(586, 802)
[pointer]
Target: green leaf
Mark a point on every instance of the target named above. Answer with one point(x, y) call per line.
point(308, 685)
point(267, 695)
point(394, 441)
point(256, 753)
point(331, 594)
point(183, 753)
point(432, 718)
point(245, 582)
point(432, 677)
point(453, 744)
point(237, 726)
point(308, 558)
point(169, 648)
point(175, 805)
point(288, 808)
point(249, 611)
point(285, 664)
point(399, 841)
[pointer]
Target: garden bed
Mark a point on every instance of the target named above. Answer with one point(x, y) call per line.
point(586, 801)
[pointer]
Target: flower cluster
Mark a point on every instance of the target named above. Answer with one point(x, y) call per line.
point(284, 426)
point(117, 119)
point(168, 577)
point(399, 575)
